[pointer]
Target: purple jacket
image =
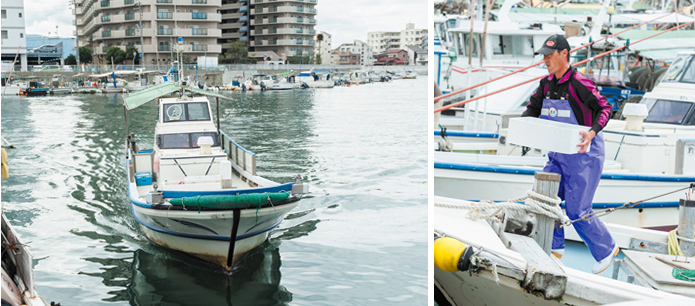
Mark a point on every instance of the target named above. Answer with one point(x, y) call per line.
point(589, 107)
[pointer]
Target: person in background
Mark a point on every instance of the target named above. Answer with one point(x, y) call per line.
point(567, 96)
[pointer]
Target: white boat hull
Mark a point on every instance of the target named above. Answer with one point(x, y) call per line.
point(10, 90)
point(206, 234)
point(480, 288)
point(281, 86)
point(478, 181)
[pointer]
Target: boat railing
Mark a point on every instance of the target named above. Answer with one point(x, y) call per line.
point(539, 77)
point(571, 51)
point(238, 155)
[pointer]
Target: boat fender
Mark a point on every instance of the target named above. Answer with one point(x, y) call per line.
point(5, 168)
point(452, 255)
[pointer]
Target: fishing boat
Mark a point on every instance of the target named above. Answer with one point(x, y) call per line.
point(506, 261)
point(196, 190)
point(647, 154)
point(18, 286)
point(315, 79)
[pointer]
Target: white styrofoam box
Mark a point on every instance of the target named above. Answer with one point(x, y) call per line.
point(545, 134)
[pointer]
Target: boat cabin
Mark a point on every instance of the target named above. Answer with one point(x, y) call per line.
point(673, 100)
point(182, 123)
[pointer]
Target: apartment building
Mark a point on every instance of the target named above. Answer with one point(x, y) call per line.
point(355, 53)
point(235, 22)
point(382, 41)
point(101, 24)
point(14, 43)
point(324, 48)
point(280, 27)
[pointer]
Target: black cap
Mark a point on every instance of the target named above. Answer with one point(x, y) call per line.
point(555, 42)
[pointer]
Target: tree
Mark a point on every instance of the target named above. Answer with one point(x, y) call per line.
point(318, 59)
point(85, 55)
point(129, 54)
point(237, 52)
point(114, 55)
point(299, 59)
point(71, 60)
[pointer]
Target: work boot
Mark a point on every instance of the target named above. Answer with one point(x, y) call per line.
point(603, 264)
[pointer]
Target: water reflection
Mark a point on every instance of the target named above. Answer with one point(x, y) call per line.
point(159, 280)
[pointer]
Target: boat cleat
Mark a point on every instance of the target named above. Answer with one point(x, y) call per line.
point(299, 187)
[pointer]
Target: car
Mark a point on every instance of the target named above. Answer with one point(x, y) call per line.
point(50, 68)
point(45, 49)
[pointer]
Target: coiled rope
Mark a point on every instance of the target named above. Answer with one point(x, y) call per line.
point(535, 202)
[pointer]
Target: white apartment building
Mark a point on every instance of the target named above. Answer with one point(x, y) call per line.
point(158, 24)
point(14, 43)
point(382, 41)
point(280, 27)
point(357, 47)
point(324, 48)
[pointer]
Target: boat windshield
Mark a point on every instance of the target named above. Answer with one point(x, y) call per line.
point(191, 111)
point(668, 111)
point(184, 140)
point(682, 70)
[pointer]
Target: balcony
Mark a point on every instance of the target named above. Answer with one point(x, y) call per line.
point(257, 1)
point(311, 10)
point(258, 10)
point(244, 18)
point(105, 18)
point(300, 9)
point(243, 29)
point(199, 15)
point(199, 31)
point(244, 8)
point(300, 42)
point(300, 31)
point(163, 48)
point(130, 16)
point(126, 2)
point(312, 21)
point(106, 34)
point(165, 1)
point(165, 31)
point(130, 32)
point(300, 19)
point(199, 1)
point(312, 31)
point(105, 3)
point(165, 15)
point(199, 47)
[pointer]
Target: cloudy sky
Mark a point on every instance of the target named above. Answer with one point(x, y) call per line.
point(344, 19)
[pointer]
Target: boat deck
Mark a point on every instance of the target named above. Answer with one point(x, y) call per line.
point(198, 183)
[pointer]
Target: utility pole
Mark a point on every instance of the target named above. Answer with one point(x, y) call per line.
point(142, 46)
point(77, 37)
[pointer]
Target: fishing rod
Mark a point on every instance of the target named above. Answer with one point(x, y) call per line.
point(536, 64)
point(575, 64)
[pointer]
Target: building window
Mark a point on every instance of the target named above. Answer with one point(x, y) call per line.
point(21, 35)
point(4, 34)
point(4, 13)
point(20, 15)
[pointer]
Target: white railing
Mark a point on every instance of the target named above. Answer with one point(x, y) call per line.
point(238, 155)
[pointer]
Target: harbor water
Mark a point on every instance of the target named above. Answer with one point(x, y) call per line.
point(359, 238)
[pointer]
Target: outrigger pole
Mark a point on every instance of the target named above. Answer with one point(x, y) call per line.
point(542, 76)
point(536, 64)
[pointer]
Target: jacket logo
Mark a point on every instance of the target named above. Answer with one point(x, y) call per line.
point(550, 43)
point(552, 112)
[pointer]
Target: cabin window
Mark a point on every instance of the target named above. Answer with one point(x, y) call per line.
point(184, 140)
point(689, 73)
point(463, 44)
point(668, 111)
point(676, 69)
point(186, 112)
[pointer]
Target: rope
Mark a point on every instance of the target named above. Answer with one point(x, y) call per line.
point(535, 202)
point(673, 247)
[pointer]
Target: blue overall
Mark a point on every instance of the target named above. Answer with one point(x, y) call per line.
point(580, 177)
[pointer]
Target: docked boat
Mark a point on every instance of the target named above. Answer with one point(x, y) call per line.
point(315, 79)
point(506, 262)
point(197, 191)
point(18, 286)
point(643, 159)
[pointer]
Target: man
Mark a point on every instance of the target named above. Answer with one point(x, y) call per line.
point(567, 96)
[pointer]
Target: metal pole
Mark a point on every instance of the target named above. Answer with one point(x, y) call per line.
point(142, 45)
point(77, 39)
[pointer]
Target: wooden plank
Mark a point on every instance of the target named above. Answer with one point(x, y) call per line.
point(543, 274)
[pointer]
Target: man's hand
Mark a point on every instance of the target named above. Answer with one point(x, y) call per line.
point(588, 136)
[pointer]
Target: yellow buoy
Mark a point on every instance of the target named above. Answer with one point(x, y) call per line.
point(451, 255)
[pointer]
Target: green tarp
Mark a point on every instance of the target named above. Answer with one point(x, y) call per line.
point(138, 98)
point(251, 200)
